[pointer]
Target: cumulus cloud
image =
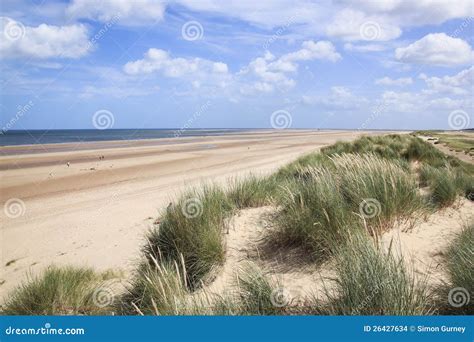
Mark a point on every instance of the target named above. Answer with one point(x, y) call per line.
point(436, 49)
point(354, 25)
point(43, 41)
point(274, 72)
point(400, 82)
point(407, 102)
point(197, 69)
point(136, 12)
point(343, 16)
point(415, 13)
point(459, 84)
point(338, 98)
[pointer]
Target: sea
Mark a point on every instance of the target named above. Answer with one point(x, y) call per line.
point(36, 137)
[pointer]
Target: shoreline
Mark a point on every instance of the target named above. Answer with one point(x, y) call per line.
point(23, 148)
point(107, 144)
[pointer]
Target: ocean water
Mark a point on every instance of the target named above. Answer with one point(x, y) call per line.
point(34, 137)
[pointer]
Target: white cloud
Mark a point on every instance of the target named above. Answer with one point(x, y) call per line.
point(400, 82)
point(323, 50)
point(415, 13)
point(156, 60)
point(459, 84)
point(43, 41)
point(136, 12)
point(271, 72)
point(338, 98)
point(407, 102)
point(268, 14)
point(342, 18)
point(354, 25)
point(436, 49)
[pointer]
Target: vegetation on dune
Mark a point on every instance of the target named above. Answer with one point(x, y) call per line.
point(388, 182)
point(460, 142)
point(192, 228)
point(62, 291)
point(257, 295)
point(456, 297)
point(371, 281)
point(446, 184)
point(162, 290)
point(329, 203)
point(158, 289)
point(351, 191)
point(251, 191)
point(314, 214)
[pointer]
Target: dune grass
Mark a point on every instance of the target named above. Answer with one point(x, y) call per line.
point(62, 291)
point(158, 289)
point(446, 184)
point(371, 281)
point(251, 191)
point(368, 179)
point(460, 268)
point(257, 295)
point(314, 214)
point(356, 190)
point(162, 290)
point(192, 228)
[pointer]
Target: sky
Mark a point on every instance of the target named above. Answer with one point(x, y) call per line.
point(185, 64)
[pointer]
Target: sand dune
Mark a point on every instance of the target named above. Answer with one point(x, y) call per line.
point(95, 211)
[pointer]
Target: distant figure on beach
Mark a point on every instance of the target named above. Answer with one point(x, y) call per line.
point(68, 164)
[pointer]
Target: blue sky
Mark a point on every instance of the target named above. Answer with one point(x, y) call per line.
point(196, 64)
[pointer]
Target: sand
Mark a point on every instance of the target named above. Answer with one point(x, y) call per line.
point(422, 244)
point(291, 269)
point(95, 212)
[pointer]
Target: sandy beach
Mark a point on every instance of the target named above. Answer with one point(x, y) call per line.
point(96, 210)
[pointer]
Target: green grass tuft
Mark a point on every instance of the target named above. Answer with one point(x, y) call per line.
point(251, 191)
point(193, 228)
point(373, 282)
point(62, 291)
point(460, 267)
